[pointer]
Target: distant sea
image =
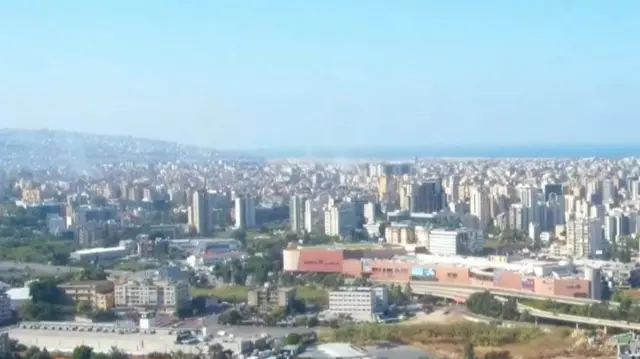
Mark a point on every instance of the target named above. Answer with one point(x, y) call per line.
point(389, 153)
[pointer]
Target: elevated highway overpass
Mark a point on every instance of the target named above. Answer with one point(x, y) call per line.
point(459, 294)
point(607, 323)
point(425, 287)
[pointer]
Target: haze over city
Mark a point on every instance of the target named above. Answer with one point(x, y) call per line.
point(325, 74)
point(319, 179)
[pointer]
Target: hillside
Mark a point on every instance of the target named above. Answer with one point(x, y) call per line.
point(43, 148)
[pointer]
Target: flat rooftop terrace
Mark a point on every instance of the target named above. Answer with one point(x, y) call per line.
point(338, 246)
point(138, 344)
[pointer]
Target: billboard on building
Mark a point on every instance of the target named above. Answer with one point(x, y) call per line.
point(529, 284)
point(422, 273)
point(324, 261)
point(366, 265)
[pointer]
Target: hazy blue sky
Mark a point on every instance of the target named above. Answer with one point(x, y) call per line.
point(344, 73)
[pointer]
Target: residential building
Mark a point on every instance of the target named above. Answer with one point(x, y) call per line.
point(5, 344)
point(400, 233)
point(19, 296)
point(443, 241)
point(552, 188)
point(339, 219)
point(97, 293)
point(584, 236)
point(370, 213)
point(268, 298)
point(296, 213)
point(428, 197)
point(359, 302)
point(245, 212)
point(479, 206)
point(164, 295)
point(104, 301)
point(31, 196)
point(310, 217)
point(5, 306)
point(200, 217)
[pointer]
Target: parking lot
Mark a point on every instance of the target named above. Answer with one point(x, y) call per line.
point(116, 328)
point(131, 342)
point(65, 337)
point(169, 321)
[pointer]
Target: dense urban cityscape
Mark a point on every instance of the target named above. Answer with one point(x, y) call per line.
point(248, 256)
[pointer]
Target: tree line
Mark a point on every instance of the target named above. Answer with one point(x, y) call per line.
point(20, 351)
point(485, 304)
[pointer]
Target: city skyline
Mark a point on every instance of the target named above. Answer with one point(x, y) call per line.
point(293, 75)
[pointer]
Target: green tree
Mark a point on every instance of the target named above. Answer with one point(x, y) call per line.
point(293, 339)
point(116, 353)
point(44, 354)
point(92, 273)
point(83, 307)
point(216, 351)
point(240, 236)
point(47, 302)
point(82, 352)
point(230, 317)
point(313, 322)
point(510, 310)
point(32, 352)
point(47, 291)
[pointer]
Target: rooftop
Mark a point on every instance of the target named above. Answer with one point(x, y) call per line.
point(78, 283)
point(99, 250)
point(340, 246)
point(342, 350)
point(19, 293)
point(354, 289)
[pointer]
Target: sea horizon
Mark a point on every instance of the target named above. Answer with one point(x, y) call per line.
point(477, 151)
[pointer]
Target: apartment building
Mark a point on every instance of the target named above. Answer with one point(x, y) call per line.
point(5, 344)
point(164, 295)
point(5, 306)
point(359, 302)
point(267, 299)
point(97, 293)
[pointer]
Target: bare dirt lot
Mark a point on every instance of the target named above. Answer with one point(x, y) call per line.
point(547, 347)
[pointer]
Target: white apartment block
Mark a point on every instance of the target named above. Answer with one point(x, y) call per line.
point(359, 302)
point(584, 236)
point(163, 295)
point(450, 241)
point(339, 219)
point(479, 206)
point(245, 212)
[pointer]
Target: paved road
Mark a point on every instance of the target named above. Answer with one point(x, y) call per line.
point(424, 287)
point(398, 352)
point(462, 292)
point(580, 320)
point(211, 322)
